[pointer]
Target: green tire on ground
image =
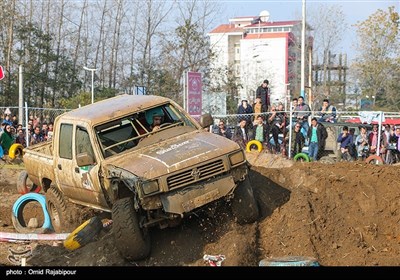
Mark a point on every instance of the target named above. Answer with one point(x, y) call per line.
point(301, 157)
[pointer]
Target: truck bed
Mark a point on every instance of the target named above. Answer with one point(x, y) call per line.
point(40, 163)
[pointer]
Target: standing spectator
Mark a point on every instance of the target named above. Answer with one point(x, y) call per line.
point(301, 114)
point(258, 108)
point(37, 136)
point(240, 135)
point(21, 138)
point(7, 120)
point(346, 144)
point(263, 91)
point(6, 139)
point(50, 131)
point(14, 121)
point(223, 130)
point(362, 143)
point(395, 138)
point(277, 123)
point(45, 130)
point(373, 139)
point(246, 110)
point(385, 140)
point(327, 112)
point(260, 130)
point(317, 135)
point(297, 141)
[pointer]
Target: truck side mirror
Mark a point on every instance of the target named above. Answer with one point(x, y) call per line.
point(206, 120)
point(84, 159)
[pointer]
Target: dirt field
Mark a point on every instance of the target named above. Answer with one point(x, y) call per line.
point(343, 214)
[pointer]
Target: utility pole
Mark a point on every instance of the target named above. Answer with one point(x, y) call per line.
point(303, 46)
point(20, 96)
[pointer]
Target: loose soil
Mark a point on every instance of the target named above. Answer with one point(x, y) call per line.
point(342, 214)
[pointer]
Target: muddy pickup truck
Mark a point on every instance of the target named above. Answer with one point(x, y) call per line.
point(107, 156)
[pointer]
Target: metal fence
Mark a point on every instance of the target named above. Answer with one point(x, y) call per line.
point(42, 114)
point(352, 119)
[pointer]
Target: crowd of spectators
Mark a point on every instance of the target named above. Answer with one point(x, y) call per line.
point(11, 131)
point(271, 128)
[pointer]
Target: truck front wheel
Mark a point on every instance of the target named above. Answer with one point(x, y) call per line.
point(131, 240)
point(244, 205)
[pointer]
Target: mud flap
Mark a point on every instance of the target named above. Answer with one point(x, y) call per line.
point(186, 199)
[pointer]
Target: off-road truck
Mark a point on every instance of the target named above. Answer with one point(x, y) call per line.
point(106, 156)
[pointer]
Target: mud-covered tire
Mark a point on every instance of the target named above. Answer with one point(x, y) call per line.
point(22, 184)
point(57, 208)
point(374, 159)
point(131, 240)
point(244, 205)
point(84, 234)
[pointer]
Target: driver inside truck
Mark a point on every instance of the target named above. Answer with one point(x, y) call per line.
point(155, 117)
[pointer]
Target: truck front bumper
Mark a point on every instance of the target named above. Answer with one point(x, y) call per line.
point(186, 199)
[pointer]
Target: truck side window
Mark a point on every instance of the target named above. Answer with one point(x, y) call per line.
point(82, 142)
point(65, 143)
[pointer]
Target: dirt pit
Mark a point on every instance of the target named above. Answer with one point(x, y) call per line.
point(342, 214)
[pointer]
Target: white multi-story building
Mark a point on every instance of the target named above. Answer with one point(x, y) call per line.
point(256, 49)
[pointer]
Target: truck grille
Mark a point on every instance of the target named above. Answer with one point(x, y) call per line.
point(196, 174)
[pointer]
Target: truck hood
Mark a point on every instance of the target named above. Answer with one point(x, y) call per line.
point(173, 154)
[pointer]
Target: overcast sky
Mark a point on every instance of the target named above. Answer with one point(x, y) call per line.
point(354, 10)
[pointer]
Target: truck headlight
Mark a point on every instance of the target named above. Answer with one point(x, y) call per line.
point(150, 187)
point(236, 158)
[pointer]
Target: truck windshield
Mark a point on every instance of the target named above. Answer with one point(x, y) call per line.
point(125, 133)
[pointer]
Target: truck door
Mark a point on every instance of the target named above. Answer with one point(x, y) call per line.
point(80, 184)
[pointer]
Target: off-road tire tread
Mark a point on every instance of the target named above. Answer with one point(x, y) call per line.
point(244, 205)
point(131, 241)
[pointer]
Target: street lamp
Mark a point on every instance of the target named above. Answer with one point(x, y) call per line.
point(92, 70)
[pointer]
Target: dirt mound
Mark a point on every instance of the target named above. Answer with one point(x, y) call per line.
point(342, 214)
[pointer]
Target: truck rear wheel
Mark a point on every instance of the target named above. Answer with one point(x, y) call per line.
point(57, 208)
point(244, 205)
point(131, 240)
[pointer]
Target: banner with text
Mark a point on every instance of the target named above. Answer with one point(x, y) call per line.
point(194, 93)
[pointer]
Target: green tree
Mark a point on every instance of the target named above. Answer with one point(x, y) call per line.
point(85, 98)
point(378, 61)
point(186, 48)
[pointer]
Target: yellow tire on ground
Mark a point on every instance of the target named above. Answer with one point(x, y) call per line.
point(83, 234)
point(15, 150)
point(257, 143)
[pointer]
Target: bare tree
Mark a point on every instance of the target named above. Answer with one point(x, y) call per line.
point(8, 17)
point(153, 15)
point(329, 25)
point(187, 48)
